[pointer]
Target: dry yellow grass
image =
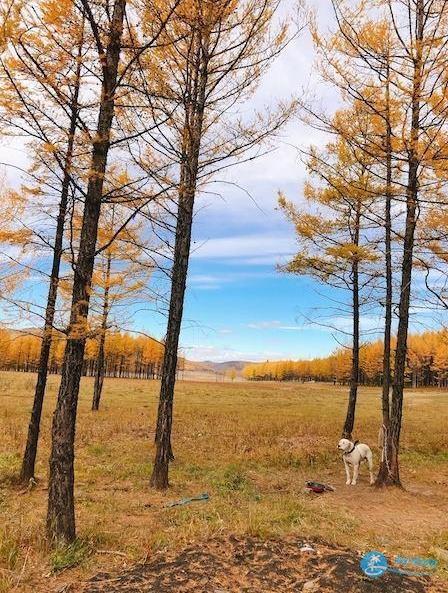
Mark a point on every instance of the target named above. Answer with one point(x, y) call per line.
point(250, 445)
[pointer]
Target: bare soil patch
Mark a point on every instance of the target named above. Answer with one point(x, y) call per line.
point(237, 565)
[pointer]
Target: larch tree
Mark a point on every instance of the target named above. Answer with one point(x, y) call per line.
point(223, 48)
point(125, 355)
point(358, 60)
point(117, 52)
point(334, 245)
point(61, 513)
point(386, 116)
point(120, 278)
point(55, 22)
point(415, 70)
point(40, 101)
point(422, 36)
point(427, 363)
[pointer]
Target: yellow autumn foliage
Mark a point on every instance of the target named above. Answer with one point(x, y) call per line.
point(427, 364)
point(126, 355)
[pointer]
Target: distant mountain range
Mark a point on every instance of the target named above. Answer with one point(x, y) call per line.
point(216, 367)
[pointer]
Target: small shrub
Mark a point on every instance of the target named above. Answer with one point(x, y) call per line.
point(97, 449)
point(232, 480)
point(9, 551)
point(30, 384)
point(9, 466)
point(67, 556)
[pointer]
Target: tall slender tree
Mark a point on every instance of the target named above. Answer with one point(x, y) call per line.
point(113, 67)
point(388, 301)
point(29, 458)
point(42, 64)
point(61, 512)
point(223, 49)
point(333, 233)
point(120, 279)
point(423, 60)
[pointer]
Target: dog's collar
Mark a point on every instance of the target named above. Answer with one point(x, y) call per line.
point(353, 448)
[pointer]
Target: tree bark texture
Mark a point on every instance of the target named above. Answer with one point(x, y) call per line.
point(61, 511)
point(392, 475)
point(99, 370)
point(354, 376)
point(29, 457)
point(191, 142)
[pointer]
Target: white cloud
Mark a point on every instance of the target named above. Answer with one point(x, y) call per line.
point(264, 260)
point(204, 279)
point(205, 286)
point(215, 281)
point(246, 247)
point(224, 354)
point(264, 325)
point(368, 323)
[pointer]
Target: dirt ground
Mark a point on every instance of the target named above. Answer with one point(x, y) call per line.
point(243, 565)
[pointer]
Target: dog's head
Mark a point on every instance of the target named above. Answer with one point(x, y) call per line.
point(344, 445)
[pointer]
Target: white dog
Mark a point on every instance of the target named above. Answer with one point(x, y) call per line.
point(354, 454)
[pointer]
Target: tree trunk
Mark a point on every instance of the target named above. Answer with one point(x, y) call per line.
point(191, 142)
point(164, 454)
point(385, 396)
point(29, 457)
point(61, 512)
point(392, 475)
point(99, 370)
point(99, 373)
point(354, 375)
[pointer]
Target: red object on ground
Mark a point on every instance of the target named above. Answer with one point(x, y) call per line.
point(319, 488)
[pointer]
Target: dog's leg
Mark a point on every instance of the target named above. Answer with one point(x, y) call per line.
point(355, 473)
point(347, 473)
point(370, 462)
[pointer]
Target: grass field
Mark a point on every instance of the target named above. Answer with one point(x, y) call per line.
point(249, 445)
